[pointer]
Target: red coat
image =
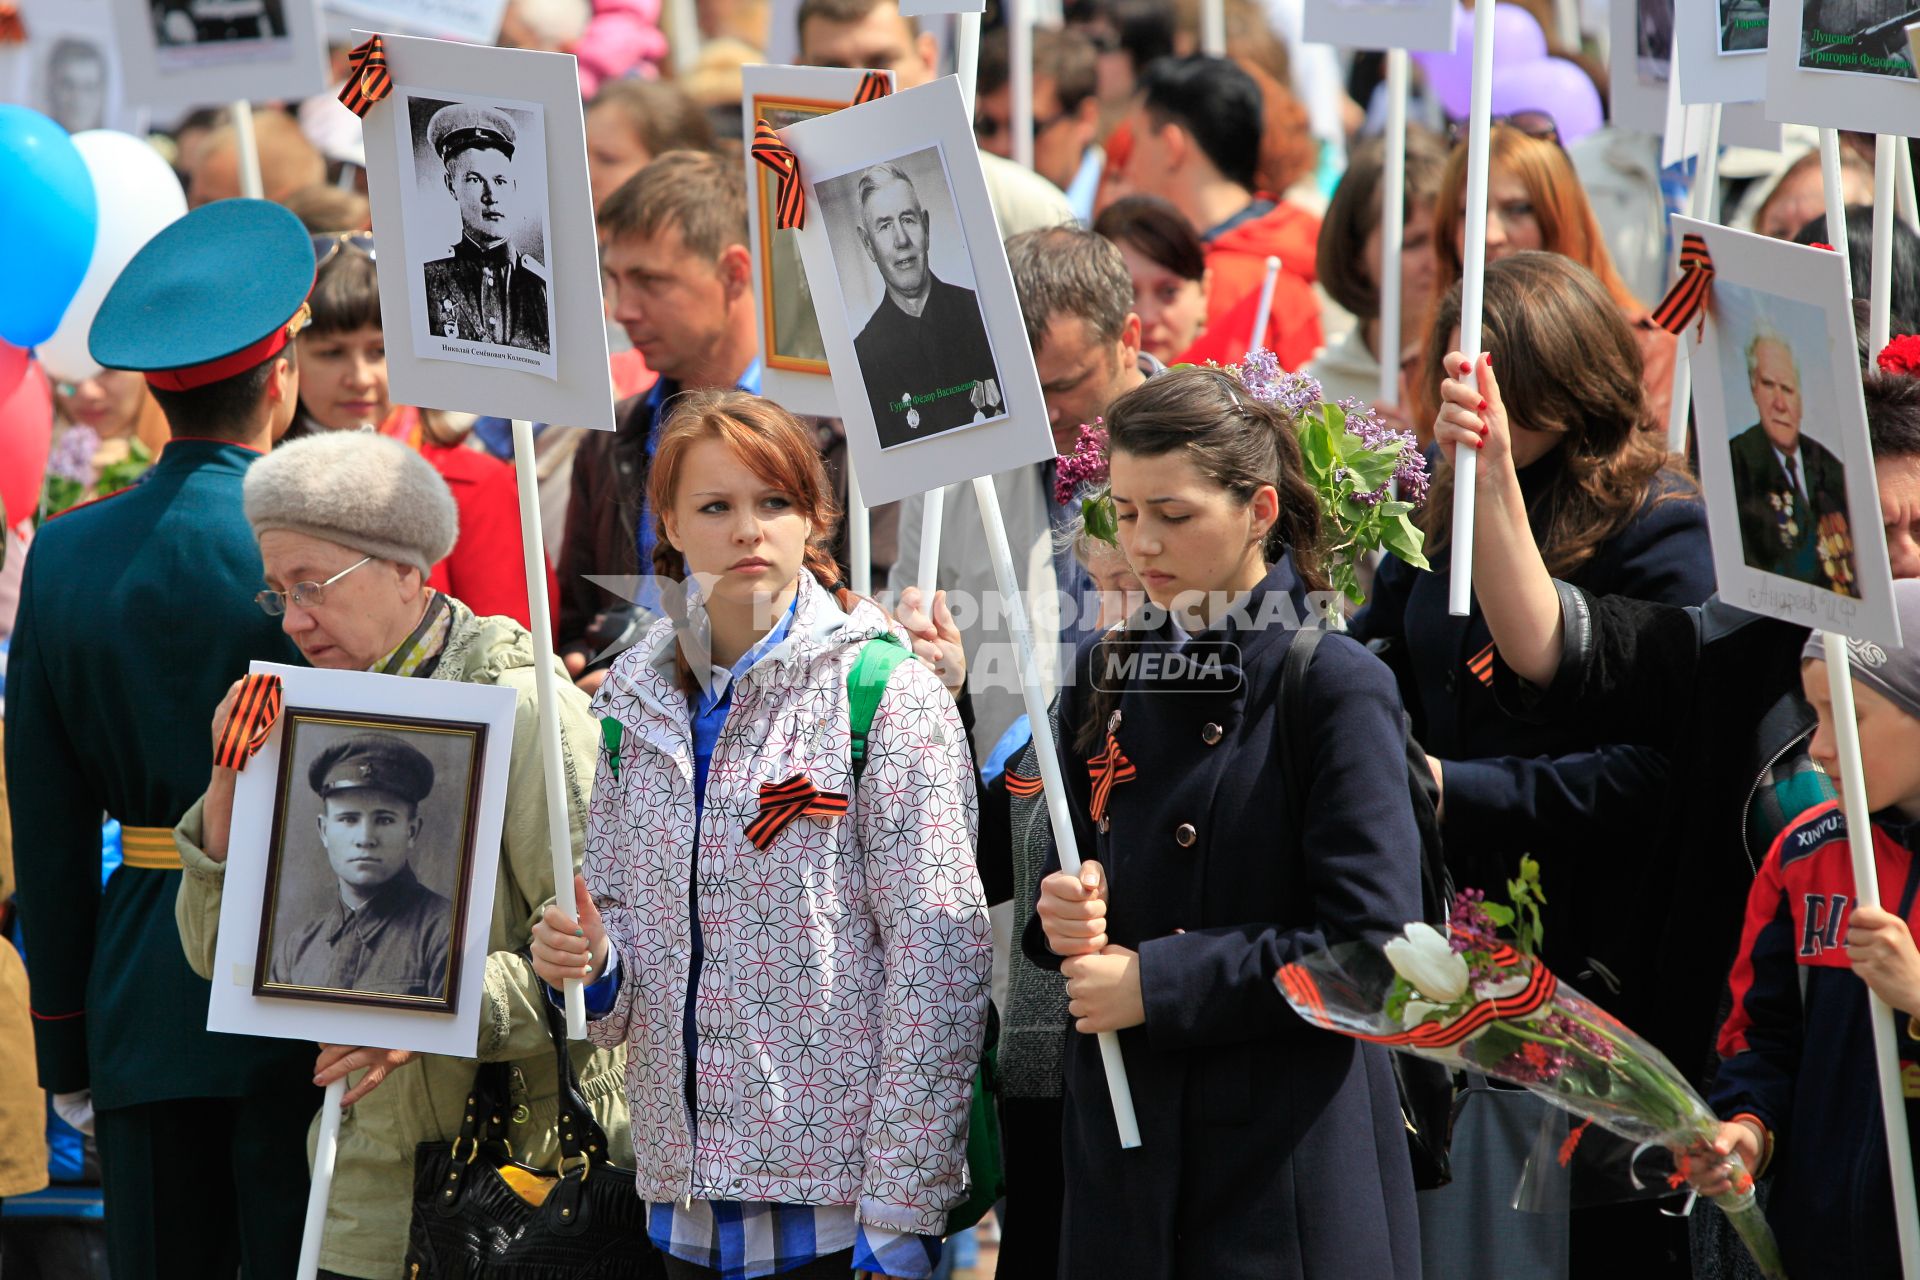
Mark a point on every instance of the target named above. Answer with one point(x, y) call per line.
point(1238, 260)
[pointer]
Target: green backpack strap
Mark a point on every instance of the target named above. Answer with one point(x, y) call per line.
point(866, 681)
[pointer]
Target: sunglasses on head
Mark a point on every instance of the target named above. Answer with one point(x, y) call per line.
point(1538, 125)
point(326, 247)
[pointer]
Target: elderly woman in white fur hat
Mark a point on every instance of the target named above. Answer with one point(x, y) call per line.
point(349, 524)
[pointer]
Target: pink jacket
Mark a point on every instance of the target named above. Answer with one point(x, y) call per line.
point(623, 36)
point(844, 981)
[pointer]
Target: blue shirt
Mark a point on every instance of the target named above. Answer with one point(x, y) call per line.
point(663, 391)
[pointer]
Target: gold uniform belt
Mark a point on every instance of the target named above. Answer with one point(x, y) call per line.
point(149, 848)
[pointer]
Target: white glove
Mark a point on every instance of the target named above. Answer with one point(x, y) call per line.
point(76, 1109)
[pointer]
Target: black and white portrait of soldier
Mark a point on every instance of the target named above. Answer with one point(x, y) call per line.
point(486, 289)
point(368, 925)
point(195, 22)
point(76, 82)
point(1862, 37)
point(923, 350)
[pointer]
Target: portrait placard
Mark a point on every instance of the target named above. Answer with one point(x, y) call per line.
point(474, 21)
point(1721, 55)
point(793, 356)
point(68, 68)
point(916, 304)
point(1640, 62)
point(1785, 459)
point(490, 272)
point(361, 869)
point(1426, 25)
point(927, 8)
point(181, 54)
point(1843, 64)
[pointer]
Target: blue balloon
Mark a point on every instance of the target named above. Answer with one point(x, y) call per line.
point(48, 216)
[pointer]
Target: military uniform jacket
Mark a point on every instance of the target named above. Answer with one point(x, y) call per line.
point(136, 614)
point(395, 945)
point(922, 371)
point(488, 295)
point(1779, 531)
point(1270, 1149)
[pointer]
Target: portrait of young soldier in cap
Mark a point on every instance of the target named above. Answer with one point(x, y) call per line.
point(379, 930)
point(484, 290)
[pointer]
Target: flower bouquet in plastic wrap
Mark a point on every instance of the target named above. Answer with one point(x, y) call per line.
point(1465, 996)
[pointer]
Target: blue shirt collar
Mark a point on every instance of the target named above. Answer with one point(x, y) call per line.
point(664, 389)
point(721, 689)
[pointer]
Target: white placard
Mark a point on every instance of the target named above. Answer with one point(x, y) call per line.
point(474, 21)
point(793, 354)
point(1424, 25)
point(1640, 62)
point(948, 392)
point(457, 339)
point(69, 67)
point(277, 859)
point(1813, 76)
point(1777, 364)
point(1723, 51)
point(178, 54)
point(927, 8)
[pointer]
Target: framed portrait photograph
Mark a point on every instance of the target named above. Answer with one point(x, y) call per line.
point(1842, 64)
point(361, 870)
point(183, 54)
point(370, 857)
point(1785, 458)
point(68, 69)
point(916, 304)
point(1720, 52)
point(792, 352)
point(1426, 25)
point(490, 288)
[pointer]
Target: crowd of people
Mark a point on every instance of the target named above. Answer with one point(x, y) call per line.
point(843, 999)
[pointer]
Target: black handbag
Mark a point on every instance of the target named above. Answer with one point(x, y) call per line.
point(479, 1214)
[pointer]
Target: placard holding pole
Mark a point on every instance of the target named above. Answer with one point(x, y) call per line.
point(1213, 28)
point(1706, 177)
point(1019, 78)
point(1393, 225)
point(326, 1151)
point(1472, 296)
point(246, 148)
point(859, 536)
point(1258, 338)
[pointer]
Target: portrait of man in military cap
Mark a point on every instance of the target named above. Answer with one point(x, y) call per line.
point(490, 288)
point(366, 865)
point(197, 22)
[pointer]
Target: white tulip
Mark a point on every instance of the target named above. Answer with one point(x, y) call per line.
point(1425, 958)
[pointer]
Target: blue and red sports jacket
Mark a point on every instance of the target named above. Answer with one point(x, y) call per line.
point(1797, 1050)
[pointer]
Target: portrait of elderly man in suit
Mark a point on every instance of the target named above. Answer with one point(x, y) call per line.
point(923, 353)
point(484, 290)
point(1792, 492)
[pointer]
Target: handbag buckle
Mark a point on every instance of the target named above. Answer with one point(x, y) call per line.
point(586, 1163)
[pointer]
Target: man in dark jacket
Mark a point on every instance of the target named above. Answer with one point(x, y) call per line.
point(1792, 492)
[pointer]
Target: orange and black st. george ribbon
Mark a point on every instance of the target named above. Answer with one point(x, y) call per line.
point(367, 78)
point(782, 802)
point(1018, 784)
point(790, 203)
point(1481, 665)
point(13, 28)
point(249, 721)
point(872, 85)
point(1108, 770)
point(1688, 297)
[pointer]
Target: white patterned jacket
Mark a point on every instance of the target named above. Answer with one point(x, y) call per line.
point(843, 985)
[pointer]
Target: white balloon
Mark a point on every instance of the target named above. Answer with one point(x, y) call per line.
point(137, 194)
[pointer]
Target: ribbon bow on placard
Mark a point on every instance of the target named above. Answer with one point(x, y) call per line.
point(367, 78)
point(12, 29)
point(872, 85)
point(790, 205)
point(1108, 770)
point(782, 802)
point(1688, 297)
point(249, 722)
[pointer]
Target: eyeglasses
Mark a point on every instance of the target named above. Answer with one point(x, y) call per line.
point(1538, 125)
point(326, 247)
point(986, 128)
point(304, 594)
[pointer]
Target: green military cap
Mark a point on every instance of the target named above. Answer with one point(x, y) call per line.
point(462, 127)
point(372, 762)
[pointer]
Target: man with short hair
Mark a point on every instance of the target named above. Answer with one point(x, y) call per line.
point(873, 34)
point(1792, 492)
point(1195, 130)
point(1066, 111)
point(288, 162)
point(485, 290)
point(136, 615)
point(77, 85)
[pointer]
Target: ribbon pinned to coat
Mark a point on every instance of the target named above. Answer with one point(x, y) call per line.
point(782, 802)
point(13, 28)
point(1687, 300)
point(1108, 770)
point(790, 204)
point(1023, 787)
point(367, 78)
point(249, 721)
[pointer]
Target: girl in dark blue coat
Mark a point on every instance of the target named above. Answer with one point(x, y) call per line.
point(1270, 1149)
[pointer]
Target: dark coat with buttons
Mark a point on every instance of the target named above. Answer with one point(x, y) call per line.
point(1269, 1148)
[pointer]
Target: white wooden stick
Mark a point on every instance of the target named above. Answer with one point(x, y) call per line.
point(1259, 338)
point(1880, 276)
point(1903, 188)
point(1055, 786)
point(1213, 28)
point(246, 149)
point(326, 1148)
point(546, 690)
point(859, 535)
point(966, 57)
point(1020, 78)
point(1700, 202)
point(1835, 195)
point(684, 39)
point(1866, 893)
point(933, 509)
point(1393, 225)
point(1472, 298)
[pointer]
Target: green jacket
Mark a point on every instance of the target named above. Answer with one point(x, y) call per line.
point(372, 1198)
point(136, 614)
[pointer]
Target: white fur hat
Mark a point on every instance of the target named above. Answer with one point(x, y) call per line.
point(358, 489)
